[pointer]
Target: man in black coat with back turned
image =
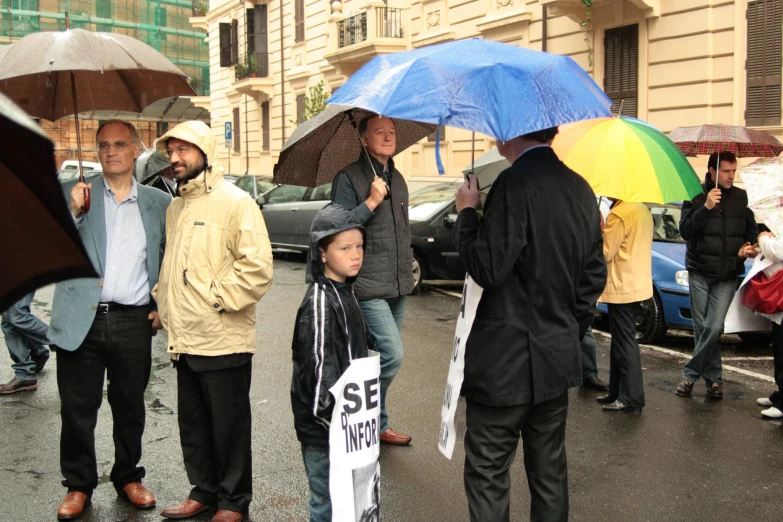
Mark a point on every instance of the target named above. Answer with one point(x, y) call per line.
point(538, 254)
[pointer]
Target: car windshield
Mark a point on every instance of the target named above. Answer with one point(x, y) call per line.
point(424, 203)
point(666, 223)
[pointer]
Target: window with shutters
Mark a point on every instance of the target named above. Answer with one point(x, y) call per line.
point(225, 45)
point(250, 41)
point(234, 42)
point(765, 47)
point(300, 108)
point(261, 42)
point(621, 59)
point(265, 123)
point(299, 20)
point(236, 131)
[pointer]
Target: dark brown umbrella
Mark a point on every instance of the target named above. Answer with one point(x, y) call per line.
point(52, 75)
point(40, 241)
point(322, 146)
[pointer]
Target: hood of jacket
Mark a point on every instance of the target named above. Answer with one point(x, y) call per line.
point(330, 220)
point(199, 134)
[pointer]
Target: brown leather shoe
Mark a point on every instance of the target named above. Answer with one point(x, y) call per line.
point(392, 437)
point(72, 506)
point(224, 515)
point(187, 509)
point(685, 388)
point(715, 391)
point(139, 496)
point(15, 385)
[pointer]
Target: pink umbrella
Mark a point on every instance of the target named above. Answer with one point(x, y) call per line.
point(743, 142)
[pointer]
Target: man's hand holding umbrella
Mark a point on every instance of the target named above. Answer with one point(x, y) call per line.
point(77, 198)
point(468, 194)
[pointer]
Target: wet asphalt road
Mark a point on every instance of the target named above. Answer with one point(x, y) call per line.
point(682, 459)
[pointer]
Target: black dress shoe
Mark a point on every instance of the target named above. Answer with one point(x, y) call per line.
point(620, 406)
point(40, 362)
point(594, 383)
point(606, 399)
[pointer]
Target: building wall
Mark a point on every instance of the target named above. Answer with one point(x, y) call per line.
point(691, 63)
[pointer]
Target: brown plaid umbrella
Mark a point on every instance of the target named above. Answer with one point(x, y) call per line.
point(40, 241)
point(321, 147)
point(52, 75)
point(743, 142)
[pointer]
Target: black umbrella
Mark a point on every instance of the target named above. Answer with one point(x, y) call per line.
point(40, 241)
point(321, 147)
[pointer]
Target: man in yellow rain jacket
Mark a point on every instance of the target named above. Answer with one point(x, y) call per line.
point(218, 264)
point(628, 236)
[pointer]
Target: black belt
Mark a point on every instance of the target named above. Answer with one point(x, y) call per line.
point(105, 308)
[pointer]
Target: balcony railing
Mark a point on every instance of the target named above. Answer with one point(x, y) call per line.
point(389, 22)
point(352, 30)
point(252, 65)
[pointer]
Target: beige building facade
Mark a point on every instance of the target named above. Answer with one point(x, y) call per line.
point(669, 62)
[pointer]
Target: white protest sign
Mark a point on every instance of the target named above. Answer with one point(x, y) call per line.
point(354, 437)
point(452, 426)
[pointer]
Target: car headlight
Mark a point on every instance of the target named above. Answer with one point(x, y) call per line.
point(681, 278)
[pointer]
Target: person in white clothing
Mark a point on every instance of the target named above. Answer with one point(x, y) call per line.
point(772, 248)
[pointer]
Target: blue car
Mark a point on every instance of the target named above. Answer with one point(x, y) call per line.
point(670, 306)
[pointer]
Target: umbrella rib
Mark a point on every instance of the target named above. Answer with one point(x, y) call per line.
point(128, 90)
point(54, 101)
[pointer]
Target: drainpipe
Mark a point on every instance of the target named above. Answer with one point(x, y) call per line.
point(247, 142)
point(544, 19)
point(282, 79)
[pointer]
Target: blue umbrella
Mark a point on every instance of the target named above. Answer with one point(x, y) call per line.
point(497, 89)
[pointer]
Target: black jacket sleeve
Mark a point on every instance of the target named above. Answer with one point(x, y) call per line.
point(692, 221)
point(316, 337)
point(490, 249)
point(591, 284)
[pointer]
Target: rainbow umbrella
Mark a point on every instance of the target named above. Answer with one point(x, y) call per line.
point(627, 159)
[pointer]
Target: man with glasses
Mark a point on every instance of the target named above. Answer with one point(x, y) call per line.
point(103, 328)
point(217, 267)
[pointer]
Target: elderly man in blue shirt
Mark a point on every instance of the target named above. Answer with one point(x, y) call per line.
point(104, 327)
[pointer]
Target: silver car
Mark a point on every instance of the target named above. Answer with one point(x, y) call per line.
point(289, 211)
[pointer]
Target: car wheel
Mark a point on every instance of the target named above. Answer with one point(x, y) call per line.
point(756, 339)
point(419, 271)
point(651, 323)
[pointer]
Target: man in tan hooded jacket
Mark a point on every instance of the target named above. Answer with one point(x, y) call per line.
point(218, 264)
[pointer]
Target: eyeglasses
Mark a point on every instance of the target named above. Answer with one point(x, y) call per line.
point(182, 150)
point(119, 146)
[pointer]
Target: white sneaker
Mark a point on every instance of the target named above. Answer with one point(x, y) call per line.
point(763, 401)
point(772, 413)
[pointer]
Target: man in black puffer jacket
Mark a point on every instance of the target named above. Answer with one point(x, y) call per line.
point(719, 228)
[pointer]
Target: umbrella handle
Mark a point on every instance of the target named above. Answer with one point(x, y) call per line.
point(86, 207)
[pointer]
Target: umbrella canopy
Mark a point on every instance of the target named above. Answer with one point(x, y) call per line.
point(764, 184)
point(706, 139)
point(500, 90)
point(627, 160)
point(41, 244)
point(111, 72)
point(321, 147)
point(149, 163)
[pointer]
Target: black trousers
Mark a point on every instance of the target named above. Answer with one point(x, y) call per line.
point(625, 361)
point(214, 427)
point(490, 445)
point(777, 353)
point(118, 345)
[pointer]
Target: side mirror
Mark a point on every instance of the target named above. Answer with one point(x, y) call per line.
point(450, 220)
point(261, 201)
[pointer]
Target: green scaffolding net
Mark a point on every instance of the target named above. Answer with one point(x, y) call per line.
point(162, 24)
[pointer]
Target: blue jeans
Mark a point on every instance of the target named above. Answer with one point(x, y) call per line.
point(384, 320)
point(710, 300)
point(25, 336)
point(316, 461)
point(589, 365)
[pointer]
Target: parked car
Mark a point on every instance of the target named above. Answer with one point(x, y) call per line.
point(432, 214)
point(289, 210)
point(255, 185)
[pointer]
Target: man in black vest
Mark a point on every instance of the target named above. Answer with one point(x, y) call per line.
point(538, 254)
point(386, 277)
point(719, 228)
